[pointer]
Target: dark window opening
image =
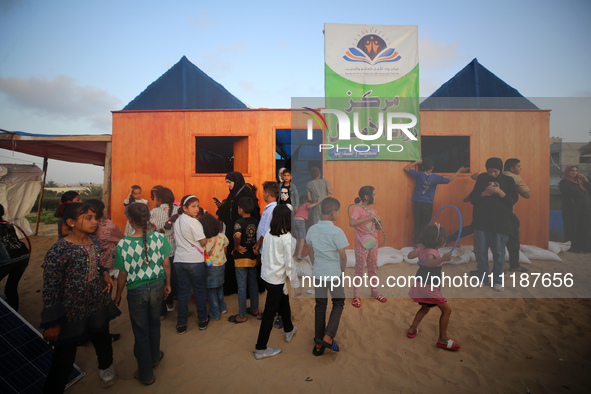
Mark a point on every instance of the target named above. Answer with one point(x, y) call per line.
point(220, 155)
point(448, 153)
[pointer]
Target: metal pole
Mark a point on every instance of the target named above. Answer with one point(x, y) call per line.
point(42, 193)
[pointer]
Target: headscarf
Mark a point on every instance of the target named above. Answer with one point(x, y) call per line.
point(238, 180)
point(577, 180)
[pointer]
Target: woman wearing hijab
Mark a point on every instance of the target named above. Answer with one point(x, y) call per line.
point(228, 213)
point(576, 209)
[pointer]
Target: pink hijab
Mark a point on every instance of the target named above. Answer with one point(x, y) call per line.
point(578, 181)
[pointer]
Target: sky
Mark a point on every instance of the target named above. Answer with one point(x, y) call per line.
point(65, 65)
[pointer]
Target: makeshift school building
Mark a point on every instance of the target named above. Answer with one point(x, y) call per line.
point(186, 131)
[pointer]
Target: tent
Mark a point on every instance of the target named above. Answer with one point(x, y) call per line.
point(87, 149)
point(19, 186)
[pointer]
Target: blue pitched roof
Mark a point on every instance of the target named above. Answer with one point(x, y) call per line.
point(184, 86)
point(476, 87)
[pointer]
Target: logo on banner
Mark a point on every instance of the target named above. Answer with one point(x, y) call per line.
point(371, 49)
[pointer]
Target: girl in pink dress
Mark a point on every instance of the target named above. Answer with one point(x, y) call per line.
point(364, 219)
point(424, 291)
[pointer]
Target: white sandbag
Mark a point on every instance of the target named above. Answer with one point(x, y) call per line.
point(458, 256)
point(350, 258)
point(536, 253)
point(465, 248)
point(303, 268)
point(558, 247)
point(405, 251)
point(389, 255)
point(523, 259)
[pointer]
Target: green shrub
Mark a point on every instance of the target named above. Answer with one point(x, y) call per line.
point(47, 217)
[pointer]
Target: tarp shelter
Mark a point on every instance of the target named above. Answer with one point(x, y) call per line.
point(86, 149)
point(19, 187)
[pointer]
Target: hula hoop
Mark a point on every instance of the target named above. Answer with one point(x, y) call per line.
point(459, 232)
point(459, 216)
point(376, 220)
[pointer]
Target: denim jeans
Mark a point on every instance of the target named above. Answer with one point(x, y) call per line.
point(191, 275)
point(144, 304)
point(215, 290)
point(244, 276)
point(496, 243)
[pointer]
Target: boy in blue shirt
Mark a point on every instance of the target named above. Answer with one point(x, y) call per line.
point(326, 246)
point(426, 183)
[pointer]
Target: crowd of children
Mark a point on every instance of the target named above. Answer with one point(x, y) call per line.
point(178, 249)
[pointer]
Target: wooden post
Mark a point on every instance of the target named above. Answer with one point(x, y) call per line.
point(42, 193)
point(107, 181)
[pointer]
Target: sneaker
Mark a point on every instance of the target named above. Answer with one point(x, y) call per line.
point(268, 352)
point(108, 377)
point(225, 311)
point(181, 329)
point(289, 335)
point(498, 287)
point(203, 324)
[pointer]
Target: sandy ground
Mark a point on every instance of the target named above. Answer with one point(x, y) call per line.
point(509, 345)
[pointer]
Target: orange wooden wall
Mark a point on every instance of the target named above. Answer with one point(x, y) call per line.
point(523, 134)
point(158, 147)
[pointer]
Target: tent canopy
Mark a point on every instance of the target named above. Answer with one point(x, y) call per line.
point(88, 149)
point(184, 86)
point(475, 87)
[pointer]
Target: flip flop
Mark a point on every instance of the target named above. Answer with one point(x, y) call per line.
point(381, 298)
point(413, 335)
point(232, 319)
point(160, 359)
point(451, 345)
point(356, 302)
point(334, 346)
point(278, 323)
point(136, 375)
point(257, 315)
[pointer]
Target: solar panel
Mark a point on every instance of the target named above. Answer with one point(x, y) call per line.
point(25, 357)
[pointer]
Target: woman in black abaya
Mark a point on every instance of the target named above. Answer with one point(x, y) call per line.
point(228, 213)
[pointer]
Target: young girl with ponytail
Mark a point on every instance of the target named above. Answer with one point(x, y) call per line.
point(190, 263)
point(142, 259)
point(159, 217)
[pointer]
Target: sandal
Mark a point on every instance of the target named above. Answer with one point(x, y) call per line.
point(278, 323)
point(136, 375)
point(232, 319)
point(451, 345)
point(356, 302)
point(381, 298)
point(334, 346)
point(411, 336)
point(318, 352)
point(160, 359)
point(255, 314)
